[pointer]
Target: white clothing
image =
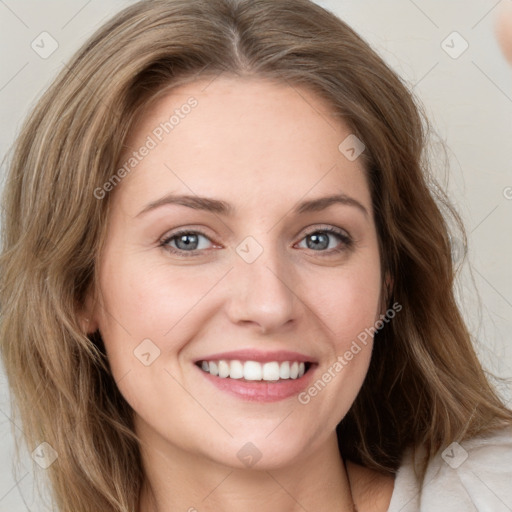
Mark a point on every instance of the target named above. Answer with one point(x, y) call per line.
point(471, 476)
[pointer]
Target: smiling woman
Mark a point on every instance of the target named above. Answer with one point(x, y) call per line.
point(259, 312)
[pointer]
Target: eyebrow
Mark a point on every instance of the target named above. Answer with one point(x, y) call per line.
point(223, 208)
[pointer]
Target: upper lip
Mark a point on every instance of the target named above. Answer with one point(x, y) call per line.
point(259, 356)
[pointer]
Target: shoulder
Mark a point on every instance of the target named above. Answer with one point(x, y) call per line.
point(475, 474)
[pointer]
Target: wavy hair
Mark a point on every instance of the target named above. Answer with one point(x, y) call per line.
point(425, 383)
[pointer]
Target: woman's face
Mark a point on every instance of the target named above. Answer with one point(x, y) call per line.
point(218, 250)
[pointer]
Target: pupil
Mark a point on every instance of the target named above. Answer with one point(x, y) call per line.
point(186, 244)
point(321, 241)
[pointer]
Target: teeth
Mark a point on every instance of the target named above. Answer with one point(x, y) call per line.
point(223, 369)
point(252, 370)
point(213, 368)
point(236, 370)
point(284, 370)
point(294, 370)
point(271, 371)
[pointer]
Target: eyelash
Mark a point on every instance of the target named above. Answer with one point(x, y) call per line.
point(346, 241)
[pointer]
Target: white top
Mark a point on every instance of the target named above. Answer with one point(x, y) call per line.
point(475, 475)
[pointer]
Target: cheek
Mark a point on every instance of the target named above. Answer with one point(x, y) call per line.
point(349, 308)
point(148, 298)
point(350, 301)
point(349, 314)
point(141, 313)
point(351, 305)
point(146, 307)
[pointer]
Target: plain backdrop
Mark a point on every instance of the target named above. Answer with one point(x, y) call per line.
point(445, 51)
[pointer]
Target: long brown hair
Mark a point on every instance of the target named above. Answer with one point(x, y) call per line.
point(425, 383)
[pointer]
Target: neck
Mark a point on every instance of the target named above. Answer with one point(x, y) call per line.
point(180, 480)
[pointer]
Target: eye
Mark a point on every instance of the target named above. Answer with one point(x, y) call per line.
point(327, 240)
point(332, 239)
point(185, 241)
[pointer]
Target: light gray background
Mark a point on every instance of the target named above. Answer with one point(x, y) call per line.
point(468, 99)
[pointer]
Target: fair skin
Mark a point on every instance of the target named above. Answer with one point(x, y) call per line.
point(503, 27)
point(263, 147)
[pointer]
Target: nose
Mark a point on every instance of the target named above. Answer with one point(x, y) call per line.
point(264, 292)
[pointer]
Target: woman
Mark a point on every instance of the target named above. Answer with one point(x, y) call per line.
point(227, 280)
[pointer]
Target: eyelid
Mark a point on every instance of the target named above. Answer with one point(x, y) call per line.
point(195, 229)
point(325, 227)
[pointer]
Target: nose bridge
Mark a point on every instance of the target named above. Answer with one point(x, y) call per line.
point(262, 283)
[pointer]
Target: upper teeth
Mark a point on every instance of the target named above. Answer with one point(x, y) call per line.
point(252, 370)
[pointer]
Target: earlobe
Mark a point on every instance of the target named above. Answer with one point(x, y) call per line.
point(87, 316)
point(87, 324)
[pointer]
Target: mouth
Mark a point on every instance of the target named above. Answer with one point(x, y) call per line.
point(258, 377)
point(255, 371)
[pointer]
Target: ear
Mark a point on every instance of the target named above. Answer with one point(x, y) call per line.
point(87, 316)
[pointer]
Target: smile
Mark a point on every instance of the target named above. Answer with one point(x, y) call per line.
point(270, 371)
point(258, 381)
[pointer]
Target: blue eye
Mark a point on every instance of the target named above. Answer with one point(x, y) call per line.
point(185, 241)
point(190, 243)
point(321, 239)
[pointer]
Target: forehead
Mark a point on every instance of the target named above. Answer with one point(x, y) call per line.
point(252, 139)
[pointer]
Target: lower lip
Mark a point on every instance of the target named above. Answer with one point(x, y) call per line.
point(261, 391)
